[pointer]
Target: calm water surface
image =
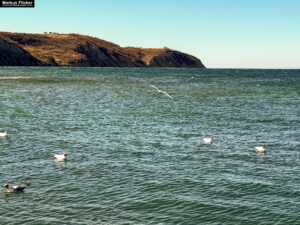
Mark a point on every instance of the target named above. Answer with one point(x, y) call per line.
point(136, 157)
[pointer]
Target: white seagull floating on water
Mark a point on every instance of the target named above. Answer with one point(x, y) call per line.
point(3, 134)
point(207, 140)
point(160, 91)
point(260, 149)
point(15, 188)
point(61, 157)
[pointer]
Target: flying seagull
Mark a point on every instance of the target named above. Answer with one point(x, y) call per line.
point(61, 157)
point(15, 188)
point(4, 134)
point(161, 92)
point(260, 149)
point(207, 140)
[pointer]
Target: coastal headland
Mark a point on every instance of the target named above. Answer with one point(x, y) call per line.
point(76, 50)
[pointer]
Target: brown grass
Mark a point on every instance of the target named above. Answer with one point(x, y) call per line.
point(62, 47)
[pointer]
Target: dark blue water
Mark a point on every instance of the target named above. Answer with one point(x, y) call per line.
point(137, 157)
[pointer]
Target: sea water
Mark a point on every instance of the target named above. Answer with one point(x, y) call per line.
point(137, 157)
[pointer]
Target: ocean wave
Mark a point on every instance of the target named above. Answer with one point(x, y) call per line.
point(21, 77)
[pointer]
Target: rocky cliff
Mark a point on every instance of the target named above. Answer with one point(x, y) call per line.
point(21, 49)
point(13, 55)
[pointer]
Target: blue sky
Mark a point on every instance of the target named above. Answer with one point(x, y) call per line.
point(222, 33)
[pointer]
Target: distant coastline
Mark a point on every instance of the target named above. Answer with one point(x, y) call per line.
point(75, 50)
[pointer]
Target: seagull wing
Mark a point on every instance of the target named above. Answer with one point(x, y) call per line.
point(155, 87)
point(160, 91)
point(165, 93)
point(20, 187)
point(58, 156)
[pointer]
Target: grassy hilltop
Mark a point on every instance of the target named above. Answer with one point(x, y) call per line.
point(52, 49)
